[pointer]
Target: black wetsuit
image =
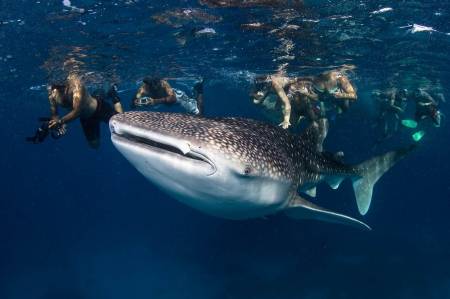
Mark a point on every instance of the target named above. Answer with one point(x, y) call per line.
point(426, 107)
point(104, 111)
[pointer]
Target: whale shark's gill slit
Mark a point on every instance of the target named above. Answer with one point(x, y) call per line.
point(204, 158)
point(169, 148)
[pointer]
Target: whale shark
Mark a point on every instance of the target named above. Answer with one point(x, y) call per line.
point(237, 168)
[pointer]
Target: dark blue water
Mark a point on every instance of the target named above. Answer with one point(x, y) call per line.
point(80, 223)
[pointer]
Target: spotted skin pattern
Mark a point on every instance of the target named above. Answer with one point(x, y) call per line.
point(265, 150)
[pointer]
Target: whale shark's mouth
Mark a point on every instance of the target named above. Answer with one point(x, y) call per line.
point(164, 145)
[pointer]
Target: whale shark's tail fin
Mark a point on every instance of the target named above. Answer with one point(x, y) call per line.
point(369, 172)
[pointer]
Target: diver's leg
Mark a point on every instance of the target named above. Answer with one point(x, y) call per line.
point(189, 104)
point(105, 112)
point(396, 122)
point(311, 112)
point(387, 131)
point(198, 94)
point(114, 96)
point(199, 99)
point(91, 129)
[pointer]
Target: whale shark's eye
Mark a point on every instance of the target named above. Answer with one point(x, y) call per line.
point(247, 170)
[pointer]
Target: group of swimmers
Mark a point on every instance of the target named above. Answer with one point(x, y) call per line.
point(305, 97)
point(316, 98)
point(393, 104)
point(292, 99)
point(100, 106)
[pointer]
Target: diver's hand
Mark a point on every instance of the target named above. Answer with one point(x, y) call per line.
point(54, 123)
point(62, 130)
point(285, 124)
point(144, 101)
point(303, 91)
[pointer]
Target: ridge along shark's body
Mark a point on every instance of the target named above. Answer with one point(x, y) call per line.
point(240, 168)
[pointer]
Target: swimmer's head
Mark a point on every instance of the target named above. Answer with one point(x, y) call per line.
point(261, 89)
point(403, 93)
point(57, 86)
point(258, 97)
point(148, 84)
point(151, 82)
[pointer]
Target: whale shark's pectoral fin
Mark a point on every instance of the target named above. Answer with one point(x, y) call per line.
point(312, 192)
point(334, 181)
point(300, 208)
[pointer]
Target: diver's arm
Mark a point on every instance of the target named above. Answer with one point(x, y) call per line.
point(313, 96)
point(79, 94)
point(53, 108)
point(347, 90)
point(304, 91)
point(397, 108)
point(286, 103)
point(118, 107)
point(392, 98)
point(169, 99)
point(428, 97)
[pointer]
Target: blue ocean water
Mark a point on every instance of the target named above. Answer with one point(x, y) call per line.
point(82, 223)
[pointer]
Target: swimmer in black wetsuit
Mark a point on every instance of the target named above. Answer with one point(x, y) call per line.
point(426, 107)
point(392, 103)
point(73, 96)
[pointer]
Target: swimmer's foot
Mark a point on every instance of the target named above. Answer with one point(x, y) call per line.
point(198, 86)
point(113, 91)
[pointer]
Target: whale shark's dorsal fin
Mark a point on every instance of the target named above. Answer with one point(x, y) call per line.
point(300, 208)
point(315, 134)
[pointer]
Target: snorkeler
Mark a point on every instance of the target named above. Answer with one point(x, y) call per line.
point(73, 95)
point(426, 107)
point(392, 103)
point(270, 89)
point(155, 91)
point(334, 87)
point(305, 102)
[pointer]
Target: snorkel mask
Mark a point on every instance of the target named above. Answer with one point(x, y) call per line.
point(258, 97)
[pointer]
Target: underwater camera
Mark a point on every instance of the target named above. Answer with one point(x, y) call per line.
point(43, 131)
